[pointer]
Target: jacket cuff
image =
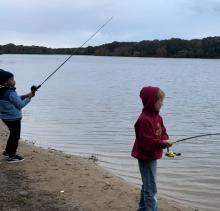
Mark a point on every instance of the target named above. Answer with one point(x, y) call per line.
point(163, 144)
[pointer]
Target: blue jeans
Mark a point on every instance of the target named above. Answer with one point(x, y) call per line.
point(148, 199)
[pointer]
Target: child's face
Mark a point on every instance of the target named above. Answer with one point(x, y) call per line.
point(10, 82)
point(159, 104)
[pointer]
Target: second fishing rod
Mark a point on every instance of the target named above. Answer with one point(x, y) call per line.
point(172, 154)
point(35, 88)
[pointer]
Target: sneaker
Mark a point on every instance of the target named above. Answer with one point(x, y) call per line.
point(15, 158)
point(5, 154)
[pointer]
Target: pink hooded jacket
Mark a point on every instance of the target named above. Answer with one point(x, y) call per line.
point(149, 129)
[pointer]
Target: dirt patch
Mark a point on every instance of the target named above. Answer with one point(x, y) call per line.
point(49, 180)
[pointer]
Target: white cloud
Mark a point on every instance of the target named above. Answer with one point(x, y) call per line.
point(68, 23)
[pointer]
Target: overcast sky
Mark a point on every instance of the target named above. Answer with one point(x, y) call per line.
point(68, 23)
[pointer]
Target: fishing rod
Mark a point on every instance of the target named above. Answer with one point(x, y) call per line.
point(208, 134)
point(35, 88)
point(172, 154)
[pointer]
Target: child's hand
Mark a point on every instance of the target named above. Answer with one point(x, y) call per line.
point(166, 143)
point(31, 94)
point(169, 143)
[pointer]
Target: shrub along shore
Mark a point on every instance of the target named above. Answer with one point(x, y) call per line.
point(173, 48)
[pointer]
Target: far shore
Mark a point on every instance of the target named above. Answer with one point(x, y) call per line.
point(50, 180)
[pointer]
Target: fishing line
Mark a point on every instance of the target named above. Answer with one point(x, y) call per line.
point(35, 88)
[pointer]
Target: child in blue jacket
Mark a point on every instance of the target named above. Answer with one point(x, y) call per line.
point(10, 113)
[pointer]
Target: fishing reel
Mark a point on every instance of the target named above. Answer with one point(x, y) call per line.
point(171, 154)
point(35, 88)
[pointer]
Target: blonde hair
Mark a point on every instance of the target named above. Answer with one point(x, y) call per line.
point(160, 94)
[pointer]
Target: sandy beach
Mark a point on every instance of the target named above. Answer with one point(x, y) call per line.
point(49, 180)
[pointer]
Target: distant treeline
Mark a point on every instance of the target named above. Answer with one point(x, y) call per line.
point(176, 48)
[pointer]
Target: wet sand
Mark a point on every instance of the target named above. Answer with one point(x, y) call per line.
point(49, 180)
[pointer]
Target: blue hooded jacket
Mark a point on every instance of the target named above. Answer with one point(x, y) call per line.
point(11, 104)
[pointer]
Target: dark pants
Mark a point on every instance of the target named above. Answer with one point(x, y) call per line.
point(14, 136)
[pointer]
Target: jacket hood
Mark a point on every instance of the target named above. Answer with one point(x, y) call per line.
point(148, 96)
point(4, 76)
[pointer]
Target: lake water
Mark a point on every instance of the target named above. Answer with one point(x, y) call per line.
point(90, 105)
